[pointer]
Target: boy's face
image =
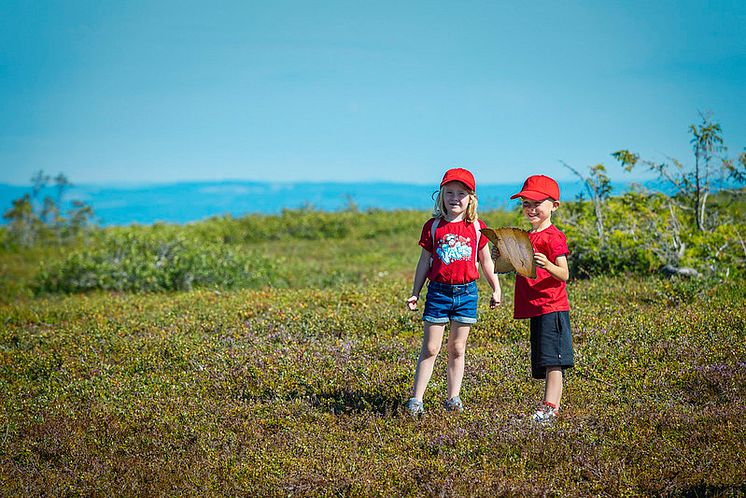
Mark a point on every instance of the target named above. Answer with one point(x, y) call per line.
point(539, 213)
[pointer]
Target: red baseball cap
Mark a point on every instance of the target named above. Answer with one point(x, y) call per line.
point(538, 188)
point(460, 175)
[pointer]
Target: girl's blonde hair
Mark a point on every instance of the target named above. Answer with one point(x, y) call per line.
point(440, 210)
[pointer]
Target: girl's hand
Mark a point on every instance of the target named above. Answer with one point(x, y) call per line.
point(541, 260)
point(412, 303)
point(495, 252)
point(496, 299)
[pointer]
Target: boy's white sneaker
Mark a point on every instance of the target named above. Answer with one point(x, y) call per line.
point(546, 414)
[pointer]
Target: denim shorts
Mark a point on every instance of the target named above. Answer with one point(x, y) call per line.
point(451, 302)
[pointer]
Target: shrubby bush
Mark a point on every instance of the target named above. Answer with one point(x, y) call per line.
point(146, 260)
point(303, 224)
point(645, 231)
point(634, 239)
point(698, 228)
point(293, 249)
point(720, 252)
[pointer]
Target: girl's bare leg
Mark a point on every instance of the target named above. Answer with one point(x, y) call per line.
point(431, 341)
point(553, 386)
point(456, 349)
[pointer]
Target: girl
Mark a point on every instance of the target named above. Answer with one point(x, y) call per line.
point(451, 246)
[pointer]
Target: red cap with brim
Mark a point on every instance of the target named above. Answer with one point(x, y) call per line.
point(538, 188)
point(460, 175)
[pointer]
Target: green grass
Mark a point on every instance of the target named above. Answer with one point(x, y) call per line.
point(298, 388)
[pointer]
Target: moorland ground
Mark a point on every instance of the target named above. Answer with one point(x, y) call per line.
point(294, 382)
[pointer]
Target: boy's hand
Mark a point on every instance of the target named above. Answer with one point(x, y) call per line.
point(496, 299)
point(541, 260)
point(495, 252)
point(412, 303)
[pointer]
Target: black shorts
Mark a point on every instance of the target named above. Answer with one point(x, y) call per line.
point(551, 343)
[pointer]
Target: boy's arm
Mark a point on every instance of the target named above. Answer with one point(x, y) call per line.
point(488, 268)
point(420, 274)
point(558, 269)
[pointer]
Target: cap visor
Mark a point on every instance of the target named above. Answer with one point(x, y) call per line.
point(468, 187)
point(531, 194)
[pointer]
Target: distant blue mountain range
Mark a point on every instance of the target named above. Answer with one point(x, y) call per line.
point(193, 201)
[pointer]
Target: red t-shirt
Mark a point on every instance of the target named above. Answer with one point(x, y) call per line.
point(455, 255)
point(543, 294)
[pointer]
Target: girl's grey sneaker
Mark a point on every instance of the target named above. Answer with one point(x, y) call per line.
point(415, 407)
point(454, 404)
point(546, 414)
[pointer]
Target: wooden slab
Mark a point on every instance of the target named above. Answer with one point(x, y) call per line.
point(516, 251)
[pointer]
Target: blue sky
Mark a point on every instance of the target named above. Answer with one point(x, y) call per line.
point(158, 91)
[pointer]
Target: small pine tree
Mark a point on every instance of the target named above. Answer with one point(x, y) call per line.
point(692, 186)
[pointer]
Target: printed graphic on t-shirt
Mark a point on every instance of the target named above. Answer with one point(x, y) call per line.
point(454, 248)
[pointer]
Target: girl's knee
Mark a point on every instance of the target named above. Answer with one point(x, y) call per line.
point(456, 350)
point(430, 350)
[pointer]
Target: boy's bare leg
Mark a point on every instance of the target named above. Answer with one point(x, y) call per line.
point(553, 386)
point(456, 349)
point(431, 341)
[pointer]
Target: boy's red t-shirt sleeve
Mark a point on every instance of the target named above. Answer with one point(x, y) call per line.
point(558, 246)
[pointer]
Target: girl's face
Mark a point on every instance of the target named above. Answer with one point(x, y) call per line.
point(539, 213)
point(456, 198)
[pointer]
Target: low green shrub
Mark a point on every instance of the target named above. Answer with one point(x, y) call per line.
point(138, 261)
point(305, 248)
point(642, 233)
point(297, 249)
point(301, 224)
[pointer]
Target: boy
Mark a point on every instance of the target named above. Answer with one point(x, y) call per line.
point(544, 299)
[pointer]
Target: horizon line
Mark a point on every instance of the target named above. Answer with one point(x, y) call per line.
point(157, 183)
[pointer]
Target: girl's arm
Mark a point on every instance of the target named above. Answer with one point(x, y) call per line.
point(420, 274)
point(558, 270)
point(488, 268)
